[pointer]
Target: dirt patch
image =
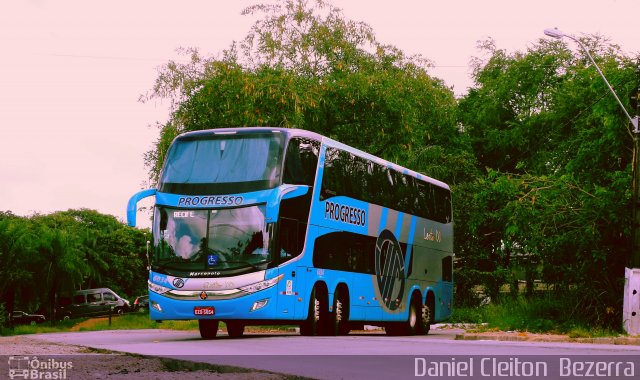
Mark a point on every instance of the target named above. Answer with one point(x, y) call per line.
point(87, 363)
point(89, 323)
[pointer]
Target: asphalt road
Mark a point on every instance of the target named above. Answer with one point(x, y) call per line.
point(360, 356)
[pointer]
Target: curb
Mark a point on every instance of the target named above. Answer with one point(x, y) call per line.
point(524, 337)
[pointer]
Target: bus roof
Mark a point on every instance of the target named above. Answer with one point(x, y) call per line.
point(289, 132)
point(295, 132)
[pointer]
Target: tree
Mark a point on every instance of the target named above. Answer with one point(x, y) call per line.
point(64, 265)
point(113, 252)
point(557, 156)
point(304, 65)
point(17, 257)
point(44, 256)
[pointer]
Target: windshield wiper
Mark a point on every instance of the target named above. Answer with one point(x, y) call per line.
point(166, 262)
point(247, 264)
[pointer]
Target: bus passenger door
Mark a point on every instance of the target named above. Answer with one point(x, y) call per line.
point(289, 248)
point(288, 291)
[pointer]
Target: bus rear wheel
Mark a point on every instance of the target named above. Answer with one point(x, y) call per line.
point(235, 329)
point(340, 315)
point(208, 328)
point(412, 325)
point(311, 325)
point(317, 322)
point(425, 320)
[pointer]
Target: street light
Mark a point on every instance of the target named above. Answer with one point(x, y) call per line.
point(631, 306)
point(557, 34)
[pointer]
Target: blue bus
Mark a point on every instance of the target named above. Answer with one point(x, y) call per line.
point(266, 226)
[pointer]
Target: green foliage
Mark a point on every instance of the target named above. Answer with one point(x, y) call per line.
point(304, 65)
point(45, 256)
point(546, 312)
point(467, 315)
point(554, 202)
point(3, 315)
point(133, 321)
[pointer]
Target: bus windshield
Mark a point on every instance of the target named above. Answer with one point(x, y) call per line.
point(222, 164)
point(211, 239)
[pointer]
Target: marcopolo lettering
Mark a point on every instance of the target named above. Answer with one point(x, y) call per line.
point(211, 200)
point(345, 214)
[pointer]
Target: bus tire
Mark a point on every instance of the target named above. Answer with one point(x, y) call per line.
point(235, 329)
point(208, 328)
point(311, 326)
point(425, 320)
point(340, 315)
point(410, 326)
point(393, 329)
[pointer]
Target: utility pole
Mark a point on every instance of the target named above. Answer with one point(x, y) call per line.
point(631, 305)
point(635, 246)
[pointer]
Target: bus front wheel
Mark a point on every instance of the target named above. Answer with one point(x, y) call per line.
point(235, 329)
point(208, 328)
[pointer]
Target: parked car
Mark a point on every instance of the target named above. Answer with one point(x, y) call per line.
point(21, 318)
point(92, 303)
point(141, 304)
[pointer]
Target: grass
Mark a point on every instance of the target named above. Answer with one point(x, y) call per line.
point(536, 315)
point(132, 321)
point(135, 322)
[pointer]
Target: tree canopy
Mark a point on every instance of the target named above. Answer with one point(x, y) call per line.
point(44, 256)
point(556, 152)
point(304, 65)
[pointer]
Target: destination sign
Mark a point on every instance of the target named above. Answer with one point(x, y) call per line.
point(210, 200)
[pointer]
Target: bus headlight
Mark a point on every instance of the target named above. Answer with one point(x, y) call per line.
point(157, 288)
point(262, 285)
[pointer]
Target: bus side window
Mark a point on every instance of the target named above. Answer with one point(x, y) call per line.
point(447, 269)
point(301, 162)
point(289, 231)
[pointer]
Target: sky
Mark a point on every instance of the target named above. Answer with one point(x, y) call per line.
point(73, 132)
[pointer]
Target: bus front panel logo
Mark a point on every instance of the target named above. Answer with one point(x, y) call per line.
point(390, 269)
point(178, 282)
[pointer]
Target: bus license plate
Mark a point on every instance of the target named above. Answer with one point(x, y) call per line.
point(204, 310)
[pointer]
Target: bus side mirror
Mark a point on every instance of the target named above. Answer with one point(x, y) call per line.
point(164, 219)
point(132, 206)
point(295, 191)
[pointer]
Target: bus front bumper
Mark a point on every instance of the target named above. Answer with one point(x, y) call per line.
point(258, 305)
